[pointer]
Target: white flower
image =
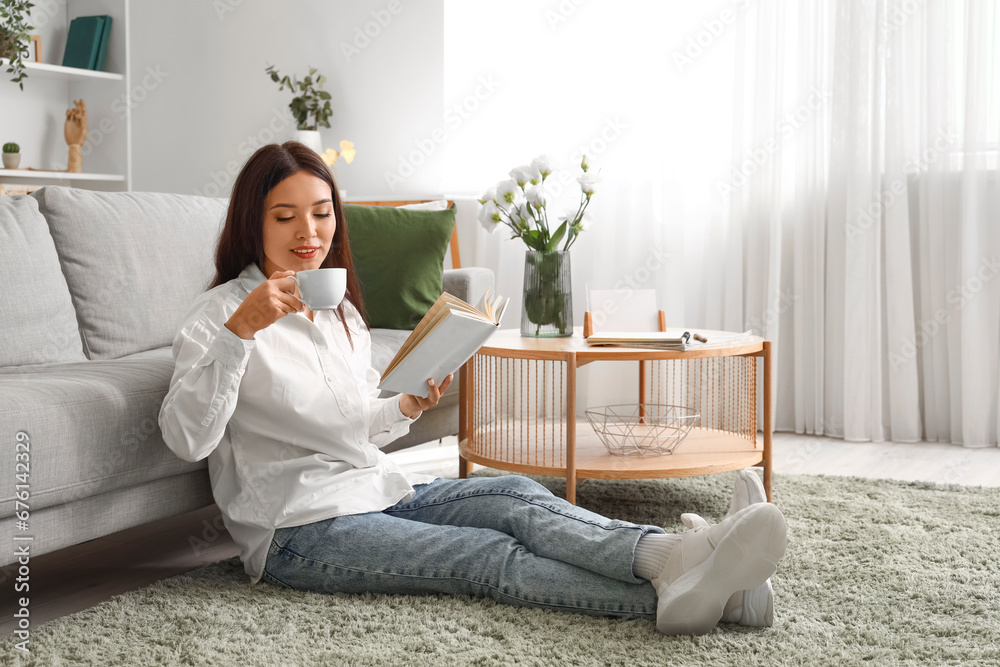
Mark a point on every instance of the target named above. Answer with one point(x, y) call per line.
point(521, 210)
point(588, 181)
point(569, 215)
point(506, 191)
point(537, 196)
point(489, 216)
point(489, 195)
point(527, 173)
point(586, 222)
point(544, 164)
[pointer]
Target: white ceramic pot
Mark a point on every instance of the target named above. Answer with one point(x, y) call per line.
point(310, 138)
point(11, 160)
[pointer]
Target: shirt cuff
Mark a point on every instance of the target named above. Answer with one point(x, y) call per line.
point(229, 349)
point(399, 413)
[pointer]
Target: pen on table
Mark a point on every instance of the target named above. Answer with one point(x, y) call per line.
point(698, 336)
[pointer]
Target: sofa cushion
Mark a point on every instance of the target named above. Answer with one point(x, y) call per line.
point(92, 426)
point(399, 259)
point(134, 262)
point(37, 320)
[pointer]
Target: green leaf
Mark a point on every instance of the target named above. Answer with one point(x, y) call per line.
point(556, 238)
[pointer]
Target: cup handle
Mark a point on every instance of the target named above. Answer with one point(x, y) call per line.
point(296, 280)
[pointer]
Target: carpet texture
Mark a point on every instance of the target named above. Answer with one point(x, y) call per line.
point(877, 573)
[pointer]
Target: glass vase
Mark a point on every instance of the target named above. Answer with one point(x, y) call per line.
point(547, 308)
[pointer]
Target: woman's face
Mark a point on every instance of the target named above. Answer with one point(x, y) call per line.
point(298, 224)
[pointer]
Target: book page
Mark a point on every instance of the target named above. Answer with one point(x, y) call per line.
point(442, 351)
point(447, 305)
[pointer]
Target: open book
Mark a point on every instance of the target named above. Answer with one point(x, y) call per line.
point(447, 336)
point(665, 340)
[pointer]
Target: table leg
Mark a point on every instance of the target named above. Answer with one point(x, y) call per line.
point(768, 425)
point(571, 427)
point(464, 409)
point(642, 392)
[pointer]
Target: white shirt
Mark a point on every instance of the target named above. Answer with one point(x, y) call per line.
point(291, 421)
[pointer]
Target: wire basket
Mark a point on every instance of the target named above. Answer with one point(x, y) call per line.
point(641, 430)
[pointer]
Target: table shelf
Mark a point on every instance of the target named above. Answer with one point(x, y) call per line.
point(517, 409)
point(702, 452)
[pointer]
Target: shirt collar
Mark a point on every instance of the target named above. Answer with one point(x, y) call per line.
point(251, 277)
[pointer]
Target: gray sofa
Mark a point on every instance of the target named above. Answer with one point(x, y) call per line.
point(93, 286)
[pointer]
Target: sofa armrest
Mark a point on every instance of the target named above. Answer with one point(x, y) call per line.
point(467, 284)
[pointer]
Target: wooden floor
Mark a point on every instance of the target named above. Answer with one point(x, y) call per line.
point(79, 577)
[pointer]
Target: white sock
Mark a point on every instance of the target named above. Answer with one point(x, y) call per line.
point(651, 554)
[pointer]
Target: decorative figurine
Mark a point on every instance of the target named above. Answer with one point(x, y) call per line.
point(75, 132)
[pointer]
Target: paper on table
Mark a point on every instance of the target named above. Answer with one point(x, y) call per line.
point(664, 340)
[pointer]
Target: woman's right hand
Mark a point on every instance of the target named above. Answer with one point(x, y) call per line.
point(265, 305)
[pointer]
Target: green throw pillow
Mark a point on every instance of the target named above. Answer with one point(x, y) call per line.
point(399, 260)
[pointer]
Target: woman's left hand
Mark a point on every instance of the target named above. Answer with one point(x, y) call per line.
point(411, 405)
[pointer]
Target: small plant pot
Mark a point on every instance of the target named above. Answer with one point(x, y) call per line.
point(310, 138)
point(11, 160)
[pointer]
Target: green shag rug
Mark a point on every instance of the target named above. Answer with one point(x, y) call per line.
point(876, 573)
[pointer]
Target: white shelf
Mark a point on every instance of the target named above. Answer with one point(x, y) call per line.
point(60, 73)
point(24, 174)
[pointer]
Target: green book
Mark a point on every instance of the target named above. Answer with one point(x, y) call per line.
point(102, 52)
point(83, 44)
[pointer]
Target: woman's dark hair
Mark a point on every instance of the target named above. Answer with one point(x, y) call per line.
point(242, 239)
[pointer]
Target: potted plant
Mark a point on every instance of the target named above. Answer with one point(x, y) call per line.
point(311, 107)
point(14, 36)
point(521, 203)
point(11, 155)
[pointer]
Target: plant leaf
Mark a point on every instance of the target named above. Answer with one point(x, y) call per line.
point(556, 238)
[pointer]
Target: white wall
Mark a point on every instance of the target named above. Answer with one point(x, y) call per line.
point(34, 118)
point(206, 102)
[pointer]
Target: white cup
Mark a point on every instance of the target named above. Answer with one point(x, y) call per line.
point(322, 289)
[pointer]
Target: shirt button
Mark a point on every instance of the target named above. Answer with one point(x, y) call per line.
point(329, 378)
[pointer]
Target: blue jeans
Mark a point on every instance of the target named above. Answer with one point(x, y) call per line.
point(507, 538)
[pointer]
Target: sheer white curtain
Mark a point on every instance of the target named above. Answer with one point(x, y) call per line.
point(869, 236)
point(597, 77)
point(822, 172)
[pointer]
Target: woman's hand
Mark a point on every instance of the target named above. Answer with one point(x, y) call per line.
point(265, 305)
point(411, 405)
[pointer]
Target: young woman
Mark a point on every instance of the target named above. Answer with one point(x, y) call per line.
point(283, 402)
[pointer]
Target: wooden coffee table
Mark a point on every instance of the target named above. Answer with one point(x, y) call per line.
point(518, 408)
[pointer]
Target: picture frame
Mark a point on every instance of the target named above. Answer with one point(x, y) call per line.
point(36, 48)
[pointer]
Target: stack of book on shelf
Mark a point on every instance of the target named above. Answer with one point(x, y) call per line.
point(447, 336)
point(18, 189)
point(666, 340)
point(87, 43)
